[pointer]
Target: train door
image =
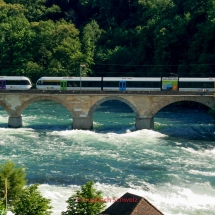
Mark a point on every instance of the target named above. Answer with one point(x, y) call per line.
point(63, 85)
point(122, 85)
point(2, 84)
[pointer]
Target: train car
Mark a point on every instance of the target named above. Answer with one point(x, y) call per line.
point(15, 83)
point(131, 84)
point(197, 84)
point(170, 83)
point(69, 83)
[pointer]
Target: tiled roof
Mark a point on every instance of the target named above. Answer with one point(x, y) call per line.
point(130, 204)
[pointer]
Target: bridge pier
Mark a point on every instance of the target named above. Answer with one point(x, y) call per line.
point(144, 123)
point(15, 122)
point(84, 123)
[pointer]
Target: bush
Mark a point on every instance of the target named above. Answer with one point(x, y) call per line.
point(31, 202)
point(88, 201)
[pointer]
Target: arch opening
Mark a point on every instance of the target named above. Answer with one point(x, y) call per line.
point(46, 114)
point(96, 105)
point(185, 120)
point(113, 116)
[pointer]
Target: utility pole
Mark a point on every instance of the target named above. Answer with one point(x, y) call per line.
point(5, 193)
point(82, 65)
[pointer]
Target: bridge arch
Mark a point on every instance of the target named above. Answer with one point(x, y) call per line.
point(6, 108)
point(118, 98)
point(169, 101)
point(41, 98)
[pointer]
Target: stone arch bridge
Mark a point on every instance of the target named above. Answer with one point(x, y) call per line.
point(82, 106)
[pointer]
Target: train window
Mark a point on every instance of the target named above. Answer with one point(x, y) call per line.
point(76, 83)
point(12, 82)
point(69, 84)
point(96, 84)
point(87, 84)
point(9, 82)
point(110, 84)
point(196, 85)
point(73, 84)
point(51, 82)
point(24, 82)
point(142, 84)
point(91, 84)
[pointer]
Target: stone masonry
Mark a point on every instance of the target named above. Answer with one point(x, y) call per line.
point(82, 106)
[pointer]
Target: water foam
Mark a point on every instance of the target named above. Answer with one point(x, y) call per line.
point(176, 199)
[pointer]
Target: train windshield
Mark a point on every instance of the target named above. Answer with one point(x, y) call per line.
point(30, 82)
point(39, 82)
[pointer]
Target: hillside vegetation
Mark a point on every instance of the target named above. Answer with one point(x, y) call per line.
point(113, 38)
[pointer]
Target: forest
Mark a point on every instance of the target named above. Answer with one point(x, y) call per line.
point(134, 38)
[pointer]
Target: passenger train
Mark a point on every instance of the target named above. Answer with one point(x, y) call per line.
point(109, 83)
point(15, 83)
point(126, 84)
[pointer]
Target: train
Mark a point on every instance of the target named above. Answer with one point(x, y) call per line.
point(15, 83)
point(126, 84)
point(109, 83)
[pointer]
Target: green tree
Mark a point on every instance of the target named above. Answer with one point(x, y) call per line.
point(15, 39)
point(2, 209)
point(66, 49)
point(36, 10)
point(55, 47)
point(12, 181)
point(31, 202)
point(91, 35)
point(88, 201)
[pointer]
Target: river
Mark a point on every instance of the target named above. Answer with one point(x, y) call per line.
point(172, 166)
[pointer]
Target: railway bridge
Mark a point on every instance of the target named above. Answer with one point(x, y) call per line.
point(82, 106)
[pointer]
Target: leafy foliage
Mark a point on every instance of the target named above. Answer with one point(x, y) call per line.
point(88, 201)
point(31, 202)
point(91, 35)
point(2, 209)
point(56, 48)
point(15, 179)
point(14, 39)
point(149, 38)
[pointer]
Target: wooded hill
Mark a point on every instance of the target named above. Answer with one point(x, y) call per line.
point(112, 37)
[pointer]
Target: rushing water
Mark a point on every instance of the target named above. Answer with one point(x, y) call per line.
point(172, 166)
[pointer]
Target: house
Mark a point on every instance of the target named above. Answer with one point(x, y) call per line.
point(130, 204)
